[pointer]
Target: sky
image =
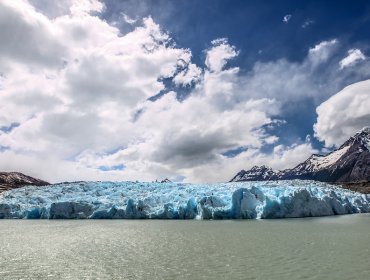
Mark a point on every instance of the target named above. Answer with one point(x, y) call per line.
point(193, 91)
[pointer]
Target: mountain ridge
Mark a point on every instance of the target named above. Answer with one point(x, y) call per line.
point(13, 180)
point(350, 163)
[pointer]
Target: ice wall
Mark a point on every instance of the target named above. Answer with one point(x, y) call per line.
point(130, 200)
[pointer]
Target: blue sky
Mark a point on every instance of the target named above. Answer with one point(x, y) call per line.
point(254, 25)
point(197, 90)
point(259, 32)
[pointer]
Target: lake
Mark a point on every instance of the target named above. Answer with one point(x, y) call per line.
point(310, 248)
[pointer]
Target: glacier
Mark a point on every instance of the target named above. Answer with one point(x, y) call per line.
point(138, 200)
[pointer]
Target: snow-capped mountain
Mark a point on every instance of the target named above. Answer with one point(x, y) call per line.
point(12, 180)
point(349, 163)
point(166, 181)
point(256, 173)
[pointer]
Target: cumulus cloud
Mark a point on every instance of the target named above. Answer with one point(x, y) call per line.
point(219, 54)
point(22, 30)
point(82, 100)
point(188, 76)
point(315, 78)
point(322, 51)
point(86, 103)
point(354, 56)
point(343, 114)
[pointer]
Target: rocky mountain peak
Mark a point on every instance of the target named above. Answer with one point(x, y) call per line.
point(361, 139)
point(166, 181)
point(349, 163)
point(264, 172)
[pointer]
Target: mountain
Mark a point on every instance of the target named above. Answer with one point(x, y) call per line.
point(13, 180)
point(256, 173)
point(166, 181)
point(350, 163)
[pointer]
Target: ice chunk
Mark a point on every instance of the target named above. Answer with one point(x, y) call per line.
point(299, 204)
point(70, 210)
point(112, 213)
point(213, 207)
point(5, 211)
point(190, 211)
point(169, 212)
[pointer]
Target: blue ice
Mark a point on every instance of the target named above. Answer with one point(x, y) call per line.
point(135, 200)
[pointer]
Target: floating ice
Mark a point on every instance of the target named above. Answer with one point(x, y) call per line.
point(130, 200)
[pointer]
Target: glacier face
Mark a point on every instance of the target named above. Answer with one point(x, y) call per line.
point(134, 200)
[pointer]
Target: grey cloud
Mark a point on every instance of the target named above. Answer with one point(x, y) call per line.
point(53, 8)
point(96, 79)
point(191, 148)
point(87, 108)
point(76, 130)
point(27, 39)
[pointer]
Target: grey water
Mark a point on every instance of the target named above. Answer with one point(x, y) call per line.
point(309, 248)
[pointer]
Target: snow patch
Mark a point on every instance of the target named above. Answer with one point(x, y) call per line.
point(321, 162)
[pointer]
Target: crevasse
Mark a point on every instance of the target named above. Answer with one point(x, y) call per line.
point(134, 200)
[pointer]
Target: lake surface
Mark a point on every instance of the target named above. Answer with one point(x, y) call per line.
point(310, 248)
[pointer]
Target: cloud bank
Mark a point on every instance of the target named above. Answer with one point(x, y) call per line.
point(81, 100)
point(344, 114)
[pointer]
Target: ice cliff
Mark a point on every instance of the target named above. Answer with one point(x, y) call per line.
point(130, 200)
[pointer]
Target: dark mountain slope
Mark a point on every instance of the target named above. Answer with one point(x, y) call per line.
point(12, 180)
point(350, 163)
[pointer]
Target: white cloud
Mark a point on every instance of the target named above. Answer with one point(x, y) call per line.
point(287, 18)
point(271, 139)
point(354, 56)
point(223, 169)
point(81, 99)
point(191, 74)
point(52, 169)
point(94, 100)
point(322, 51)
point(289, 83)
point(307, 23)
point(219, 54)
point(127, 19)
point(344, 114)
point(82, 7)
point(22, 30)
